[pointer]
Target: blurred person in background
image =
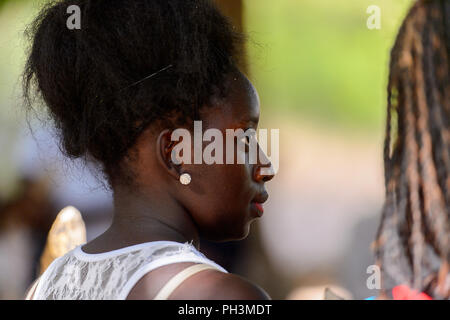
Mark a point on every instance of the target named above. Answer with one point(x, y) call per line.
point(412, 246)
point(25, 218)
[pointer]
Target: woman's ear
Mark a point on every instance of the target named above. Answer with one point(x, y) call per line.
point(164, 147)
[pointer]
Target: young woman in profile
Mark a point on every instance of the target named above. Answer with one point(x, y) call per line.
point(116, 89)
point(413, 243)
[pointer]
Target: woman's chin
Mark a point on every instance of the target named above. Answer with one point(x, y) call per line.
point(243, 234)
point(232, 235)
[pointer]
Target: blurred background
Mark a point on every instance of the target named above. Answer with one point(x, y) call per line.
point(321, 74)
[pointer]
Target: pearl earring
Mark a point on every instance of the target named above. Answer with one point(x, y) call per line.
point(185, 179)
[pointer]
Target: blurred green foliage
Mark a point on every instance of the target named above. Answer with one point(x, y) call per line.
point(318, 60)
point(3, 2)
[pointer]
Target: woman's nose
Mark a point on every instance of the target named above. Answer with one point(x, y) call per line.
point(264, 173)
point(264, 170)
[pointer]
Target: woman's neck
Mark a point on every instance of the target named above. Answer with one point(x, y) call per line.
point(138, 219)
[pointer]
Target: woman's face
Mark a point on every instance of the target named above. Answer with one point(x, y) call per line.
point(223, 199)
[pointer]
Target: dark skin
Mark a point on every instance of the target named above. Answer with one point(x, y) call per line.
point(219, 203)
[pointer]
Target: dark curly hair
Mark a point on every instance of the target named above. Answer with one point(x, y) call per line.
point(95, 81)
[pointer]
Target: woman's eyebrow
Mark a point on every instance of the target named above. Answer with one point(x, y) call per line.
point(249, 121)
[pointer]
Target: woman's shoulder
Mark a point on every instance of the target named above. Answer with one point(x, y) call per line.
point(210, 284)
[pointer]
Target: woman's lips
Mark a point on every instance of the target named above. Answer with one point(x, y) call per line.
point(259, 208)
point(257, 202)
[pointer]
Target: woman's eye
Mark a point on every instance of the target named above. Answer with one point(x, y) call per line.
point(248, 136)
point(246, 140)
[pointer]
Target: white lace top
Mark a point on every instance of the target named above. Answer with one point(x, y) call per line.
point(111, 276)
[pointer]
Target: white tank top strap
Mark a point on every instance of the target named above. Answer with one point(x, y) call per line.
point(193, 256)
point(179, 278)
point(112, 275)
point(39, 282)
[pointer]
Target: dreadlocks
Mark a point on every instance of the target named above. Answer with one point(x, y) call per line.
point(412, 245)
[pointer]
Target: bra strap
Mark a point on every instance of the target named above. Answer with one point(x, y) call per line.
point(179, 278)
